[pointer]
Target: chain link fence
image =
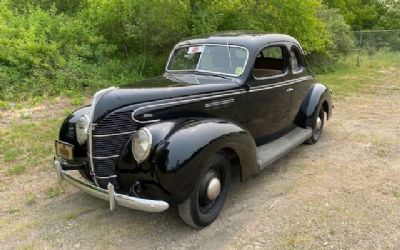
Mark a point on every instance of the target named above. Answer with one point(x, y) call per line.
point(371, 42)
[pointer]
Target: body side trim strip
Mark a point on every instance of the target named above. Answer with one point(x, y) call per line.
point(221, 94)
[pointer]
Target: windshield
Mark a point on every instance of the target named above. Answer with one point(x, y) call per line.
point(222, 59)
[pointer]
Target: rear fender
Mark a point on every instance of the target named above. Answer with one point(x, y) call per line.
point(318, 95)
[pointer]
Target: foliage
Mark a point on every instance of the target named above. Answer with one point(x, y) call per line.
point(341, 41)
point(391, 19)
point(53, 47)
point(360, 14)
point(42, 52)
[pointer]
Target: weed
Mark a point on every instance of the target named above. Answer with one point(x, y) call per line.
point(4, 105)
point(71, 215)
point(396, 193)
point(12, 210)
point(77, 100)
point(19, 106)
point(31, 199)
point(55, 191)
point(26, 116)
point(11, 154)
point(16, 170)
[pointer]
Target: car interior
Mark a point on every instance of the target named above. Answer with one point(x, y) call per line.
point(269, 62)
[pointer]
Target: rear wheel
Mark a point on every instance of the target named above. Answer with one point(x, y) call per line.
point(202, 207)
point(317, 127)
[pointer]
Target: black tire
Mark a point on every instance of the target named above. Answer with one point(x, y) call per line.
point(317, 130)
point(198, 211)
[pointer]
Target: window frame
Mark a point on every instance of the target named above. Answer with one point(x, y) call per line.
point(284, 58)
point(300, 60)
point(208, 71)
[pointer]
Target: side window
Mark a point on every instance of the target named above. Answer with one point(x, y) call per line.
point(296, 60)
point(270, 62)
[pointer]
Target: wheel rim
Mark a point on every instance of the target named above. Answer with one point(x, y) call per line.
point(319, 124)
point(210, 188)
point(213, 188)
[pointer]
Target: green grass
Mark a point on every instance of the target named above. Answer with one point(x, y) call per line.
point(55, 191)
point(350, 78)
point(31, 199)
point(77, 100)
point(28, 145)
point(71, 215)
point(16, 170)
point(11, 154)
point(3, 105)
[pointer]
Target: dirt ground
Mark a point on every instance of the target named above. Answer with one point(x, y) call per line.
point(342, 193)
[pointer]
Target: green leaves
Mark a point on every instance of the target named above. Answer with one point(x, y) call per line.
point(51, 47)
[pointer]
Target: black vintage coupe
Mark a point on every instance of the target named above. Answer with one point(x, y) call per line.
point(228, 102)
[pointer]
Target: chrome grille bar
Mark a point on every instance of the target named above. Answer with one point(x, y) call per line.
point(97, 96)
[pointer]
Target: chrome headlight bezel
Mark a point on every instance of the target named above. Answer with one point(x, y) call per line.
point(82, 129)
point(142, 142)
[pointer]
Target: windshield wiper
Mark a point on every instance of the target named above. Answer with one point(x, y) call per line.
point(214, 74)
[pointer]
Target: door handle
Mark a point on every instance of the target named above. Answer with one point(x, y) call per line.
point(289, 90)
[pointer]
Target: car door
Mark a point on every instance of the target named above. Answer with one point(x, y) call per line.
point(269, 98)
point(302, 78)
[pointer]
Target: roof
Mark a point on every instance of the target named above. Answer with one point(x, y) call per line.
point(248, 39)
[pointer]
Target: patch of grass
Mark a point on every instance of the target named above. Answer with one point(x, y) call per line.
point(16, 170)
point(12, 210)
point(71, 215)
point(55, 191)
point(31, 199)
point(29, 145)
point(350, 78)
point(36, 100)
point(19, 106)
point(296, 239)
point(11, 154)
point(26, 116)
point(4, 105)
point(396, 194)
point(77, 100)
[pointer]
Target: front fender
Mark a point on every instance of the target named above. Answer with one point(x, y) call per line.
point(67, 131)
point(317, 95)
point(183, 146)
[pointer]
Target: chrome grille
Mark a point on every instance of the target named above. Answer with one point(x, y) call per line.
point(108, 137)
point(108, 146)
point(115, 123)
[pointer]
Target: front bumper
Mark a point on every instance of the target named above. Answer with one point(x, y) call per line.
point(110, 195)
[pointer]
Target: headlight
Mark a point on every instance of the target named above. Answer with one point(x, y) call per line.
point(82, 128)
point(141, 144)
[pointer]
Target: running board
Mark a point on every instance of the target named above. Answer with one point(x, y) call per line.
point(272, 151)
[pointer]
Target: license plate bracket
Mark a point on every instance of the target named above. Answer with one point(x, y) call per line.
point(64, 150)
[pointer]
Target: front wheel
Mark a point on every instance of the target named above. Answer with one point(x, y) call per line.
point(317, 127)
point(202, 207)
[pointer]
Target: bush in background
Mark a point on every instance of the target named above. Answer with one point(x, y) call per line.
point(53, 47)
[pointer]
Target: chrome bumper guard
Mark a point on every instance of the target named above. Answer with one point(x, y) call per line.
point(110, 195)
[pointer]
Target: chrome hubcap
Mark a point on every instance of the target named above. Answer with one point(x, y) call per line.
point(318, 126)
point(213, 188)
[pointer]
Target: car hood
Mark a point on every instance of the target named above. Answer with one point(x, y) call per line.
point(163, 87)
